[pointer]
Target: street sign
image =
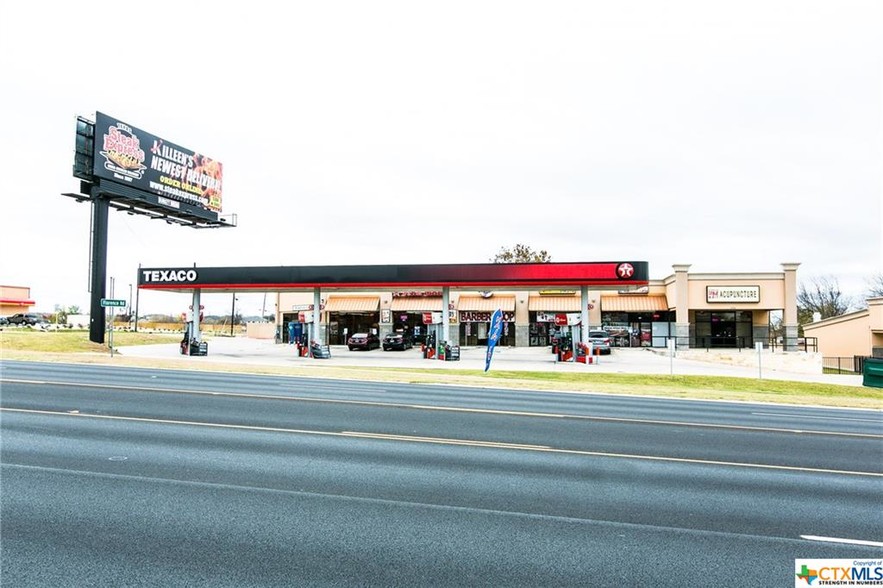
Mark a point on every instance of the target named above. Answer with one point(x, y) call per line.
point(112, 302)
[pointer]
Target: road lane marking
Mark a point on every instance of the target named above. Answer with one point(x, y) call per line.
point(601, 522)
point(822, 418)
point(838, 540)
point(450, 441)
point(532, 414)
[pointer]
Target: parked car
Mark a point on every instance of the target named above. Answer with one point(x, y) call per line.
point(600, 342)
point(400, 341)
point(27, 318)
point(364, 341)
point(3, 321)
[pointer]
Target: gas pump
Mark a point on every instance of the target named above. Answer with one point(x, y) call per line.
point(185, 342)
point(429, 349)
point(433, 347)
point(296, 337)
point(292, 327)
point(190, 345)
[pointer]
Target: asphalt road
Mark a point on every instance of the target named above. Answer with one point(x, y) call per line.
point(134, 477)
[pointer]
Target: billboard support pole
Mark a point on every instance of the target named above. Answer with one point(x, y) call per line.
point(99, 266)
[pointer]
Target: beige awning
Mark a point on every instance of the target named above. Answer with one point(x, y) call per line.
point(553, 303)
point(352, 304)
point(417, 304)
point(634, 303)
point(480, 303)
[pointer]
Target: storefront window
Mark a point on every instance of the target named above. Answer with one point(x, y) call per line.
point(726, 329)
point(638, 329)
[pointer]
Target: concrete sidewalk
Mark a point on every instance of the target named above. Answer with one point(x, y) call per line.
point(241, 350)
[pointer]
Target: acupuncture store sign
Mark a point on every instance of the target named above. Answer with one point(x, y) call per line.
point(732, 294)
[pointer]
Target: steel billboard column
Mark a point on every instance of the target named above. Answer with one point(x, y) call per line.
point(98, 269)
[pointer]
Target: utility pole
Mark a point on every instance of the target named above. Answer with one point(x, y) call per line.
point(233, 314)
point(137, 293)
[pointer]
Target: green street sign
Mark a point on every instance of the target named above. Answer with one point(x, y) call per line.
point(112, 302)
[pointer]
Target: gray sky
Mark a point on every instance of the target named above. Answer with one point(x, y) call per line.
point(729, 135)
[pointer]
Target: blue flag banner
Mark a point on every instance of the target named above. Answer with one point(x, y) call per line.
point(493, 336)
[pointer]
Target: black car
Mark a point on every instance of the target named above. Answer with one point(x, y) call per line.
point(27, 318)
point(365, 341)
point(3, 321)
point(400, 341)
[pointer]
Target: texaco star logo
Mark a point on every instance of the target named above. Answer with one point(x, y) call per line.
point(625, 271)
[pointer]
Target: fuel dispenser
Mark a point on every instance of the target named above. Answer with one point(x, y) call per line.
point(190, 344)
point(434, 347)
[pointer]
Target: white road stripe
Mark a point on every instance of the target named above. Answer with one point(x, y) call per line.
point(445, 441)
point(838, 540)
point(821, 418)
point(470, 410)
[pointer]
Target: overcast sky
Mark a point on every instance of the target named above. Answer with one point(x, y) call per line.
point(729, 135)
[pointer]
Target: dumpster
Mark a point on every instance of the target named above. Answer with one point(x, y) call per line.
point(872, 372)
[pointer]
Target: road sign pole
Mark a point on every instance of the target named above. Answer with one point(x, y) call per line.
point(111, 319)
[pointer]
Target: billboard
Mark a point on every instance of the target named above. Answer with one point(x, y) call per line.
point(144, 162)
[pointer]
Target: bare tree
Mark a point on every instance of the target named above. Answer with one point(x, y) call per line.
point(821, 295)
point(875, 286)
point(521, 254)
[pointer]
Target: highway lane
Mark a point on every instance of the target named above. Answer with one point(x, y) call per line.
point(302, 492)
point(803, 443)
point(598, 405)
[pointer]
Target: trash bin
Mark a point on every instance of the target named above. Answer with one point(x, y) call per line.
point(321, 351)
point(872, 372)
point(198, 348)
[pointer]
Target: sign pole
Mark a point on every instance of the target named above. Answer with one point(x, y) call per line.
point(759, 347)
point(111, 318)
point(671, 356)
point(137, 298)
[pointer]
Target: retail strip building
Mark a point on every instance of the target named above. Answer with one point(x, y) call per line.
point(539, 301)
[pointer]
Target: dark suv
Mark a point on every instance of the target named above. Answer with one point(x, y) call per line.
point(27, 318)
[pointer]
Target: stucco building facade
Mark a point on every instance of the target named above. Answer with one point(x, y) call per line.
point(696, 310)
point(857, 333)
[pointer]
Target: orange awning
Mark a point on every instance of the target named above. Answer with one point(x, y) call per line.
point(554, 303)
point(634, 303)
point(416, 303)
point(480, 303)
point(352, 304)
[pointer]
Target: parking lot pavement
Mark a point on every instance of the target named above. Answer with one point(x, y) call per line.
point(242, 350)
